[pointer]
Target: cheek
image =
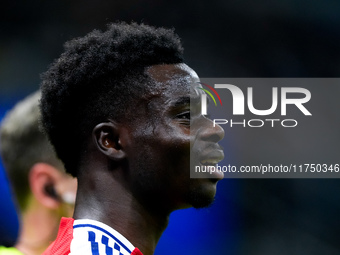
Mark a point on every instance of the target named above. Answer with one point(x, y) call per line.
point(177, 144)
point(165, 136)
point(164, 148)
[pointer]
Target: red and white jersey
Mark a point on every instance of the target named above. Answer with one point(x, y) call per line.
point(89, 237)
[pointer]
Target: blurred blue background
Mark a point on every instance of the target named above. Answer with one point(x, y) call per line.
point(272, 38)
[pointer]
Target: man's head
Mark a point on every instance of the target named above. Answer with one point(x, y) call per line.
point(29, 158)
point(122, 98)
point(99, 77)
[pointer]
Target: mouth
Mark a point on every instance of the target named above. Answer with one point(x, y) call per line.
point(210, 161)
point(212, 158)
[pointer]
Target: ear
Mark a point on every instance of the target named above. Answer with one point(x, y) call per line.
point(43, 179)
point(106, 137)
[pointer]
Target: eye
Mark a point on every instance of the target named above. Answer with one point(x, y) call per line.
point(183, 116)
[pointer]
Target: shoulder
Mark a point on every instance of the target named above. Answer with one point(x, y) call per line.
point(61, 246)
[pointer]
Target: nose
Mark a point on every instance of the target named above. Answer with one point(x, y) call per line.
point(212, 132)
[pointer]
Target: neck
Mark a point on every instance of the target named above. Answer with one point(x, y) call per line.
point(39, 229)
point(109, 202)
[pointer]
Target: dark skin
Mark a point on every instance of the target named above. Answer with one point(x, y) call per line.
point(137, 172)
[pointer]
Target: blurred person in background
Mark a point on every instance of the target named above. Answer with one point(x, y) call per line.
point(44, 192)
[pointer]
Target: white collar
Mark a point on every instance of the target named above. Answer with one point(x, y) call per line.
point(94, 237)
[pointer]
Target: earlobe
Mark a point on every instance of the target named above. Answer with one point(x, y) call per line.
point(107, 139)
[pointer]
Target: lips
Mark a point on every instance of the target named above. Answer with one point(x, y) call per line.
point(209, 162)
point(212, 158)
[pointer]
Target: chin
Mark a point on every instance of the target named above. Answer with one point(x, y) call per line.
point(198, 204)
point(202, 196)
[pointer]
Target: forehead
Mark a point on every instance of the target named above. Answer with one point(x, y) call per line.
point(172, 78)
point(170, 90)
point(173, 81)
point(168, 73)
point(174, 84)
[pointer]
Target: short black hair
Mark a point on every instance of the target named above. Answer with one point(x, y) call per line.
point(96, 78)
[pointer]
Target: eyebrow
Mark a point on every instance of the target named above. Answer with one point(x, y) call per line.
point(186, 101)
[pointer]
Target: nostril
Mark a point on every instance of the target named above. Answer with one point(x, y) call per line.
point(215, 137)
